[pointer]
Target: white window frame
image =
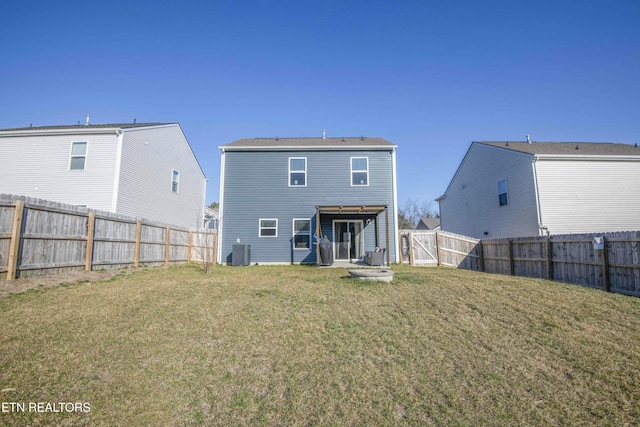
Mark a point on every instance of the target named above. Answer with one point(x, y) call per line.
point(301, 233)
point(358, 171)
point(505, 192)
point(76, 156)
point(260, 227)
point(175, 173)
point(297, 171)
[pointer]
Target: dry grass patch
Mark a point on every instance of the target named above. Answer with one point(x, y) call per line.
point(299, 345)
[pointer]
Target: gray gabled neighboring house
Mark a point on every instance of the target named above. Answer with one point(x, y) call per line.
point(145, 170)
point(509, 189)
point(279, 195)
point(427, 223)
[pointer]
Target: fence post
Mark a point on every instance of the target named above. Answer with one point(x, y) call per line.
point(438, 252)
point(14, 245)
point(481, 253)
point(411, 248)
point(604, 254)
point(549, 258)
point(511, 267)
point(214, 260)
point(166, 246)
point(136, 249)
point(190, 248)
point(91, 221)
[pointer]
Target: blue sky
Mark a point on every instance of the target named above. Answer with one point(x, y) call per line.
point(430, 76)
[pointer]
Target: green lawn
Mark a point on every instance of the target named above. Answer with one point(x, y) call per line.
point(298, 345)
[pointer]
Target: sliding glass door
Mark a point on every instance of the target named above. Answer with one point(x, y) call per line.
point(349, 239)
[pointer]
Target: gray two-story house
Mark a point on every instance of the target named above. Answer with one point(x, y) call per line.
point(281, 195)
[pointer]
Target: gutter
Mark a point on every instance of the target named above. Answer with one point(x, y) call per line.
point(541, 227)
point(221, 208)
point(52, 132)
point(586, 157)
point(116, 173)
point(395, 206)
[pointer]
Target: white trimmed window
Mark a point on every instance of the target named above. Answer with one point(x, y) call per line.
point(301, 233)
point(502, 192)
point(175, 180)
point(268, 227)
point(297, 171)
point(78, 156)
point(359, 171)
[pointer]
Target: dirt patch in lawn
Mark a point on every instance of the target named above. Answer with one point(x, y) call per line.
point(51, 280)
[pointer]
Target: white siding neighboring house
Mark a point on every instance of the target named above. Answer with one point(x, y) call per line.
point(145, 170)
point(510, 189)
point(211, 218)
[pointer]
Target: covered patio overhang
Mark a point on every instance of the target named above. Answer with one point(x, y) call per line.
point(356, 210)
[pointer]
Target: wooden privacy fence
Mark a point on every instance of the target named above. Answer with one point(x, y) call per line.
point(613, 265)
point(38, 237)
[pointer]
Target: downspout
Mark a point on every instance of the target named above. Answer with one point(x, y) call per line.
point(204, 201)
point(537, 195)
point(116, 173)
point(395, 207)
point(221, 207)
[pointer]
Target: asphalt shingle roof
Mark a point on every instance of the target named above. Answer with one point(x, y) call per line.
point(309, 142)
point(569, 148)
point(83, 126)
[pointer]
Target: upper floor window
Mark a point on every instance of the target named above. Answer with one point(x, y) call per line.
point(502, 192)
point(297, 171)
point(175, 181)
point(301, 233)
point(268, 227)
point(78, 155)
point(359, 171)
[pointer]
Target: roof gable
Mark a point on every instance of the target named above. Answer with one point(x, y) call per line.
point(429, 223)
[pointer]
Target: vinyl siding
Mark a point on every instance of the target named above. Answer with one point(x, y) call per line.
point(38, 166)
point(148, 157)
point(589, 196)
point(471, 204)
point(256, 185)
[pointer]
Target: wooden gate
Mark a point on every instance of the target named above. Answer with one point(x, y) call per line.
point(418, 248)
